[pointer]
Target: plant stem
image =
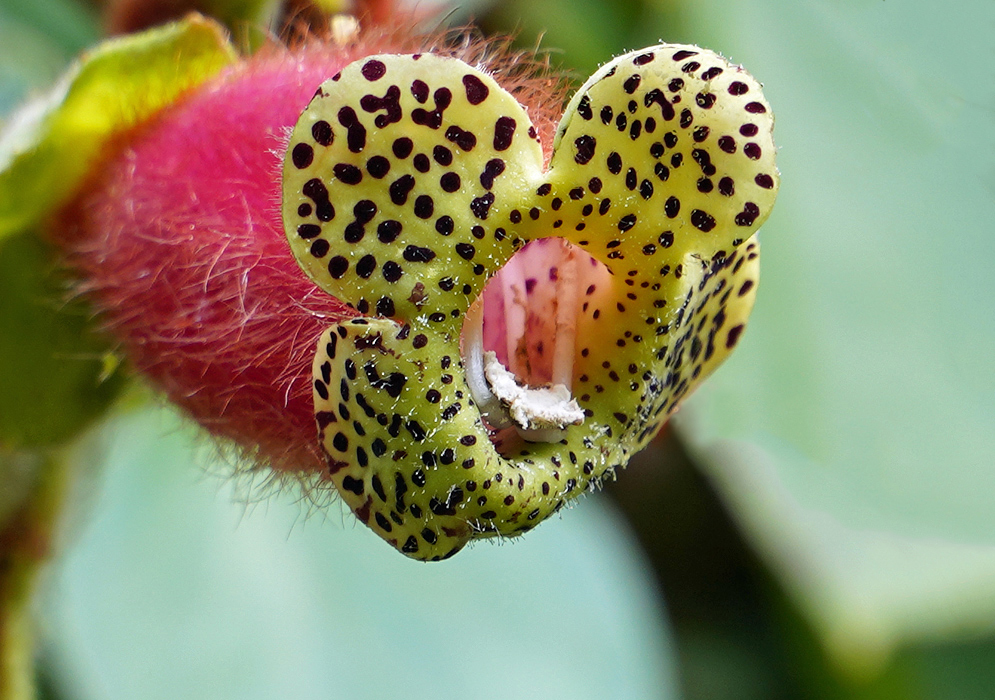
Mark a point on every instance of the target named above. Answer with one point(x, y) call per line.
point(25, 543)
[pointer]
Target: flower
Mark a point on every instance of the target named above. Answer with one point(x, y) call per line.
point(411, 180)
point(506, 315)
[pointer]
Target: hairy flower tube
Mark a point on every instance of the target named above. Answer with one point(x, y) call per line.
point(485, 313)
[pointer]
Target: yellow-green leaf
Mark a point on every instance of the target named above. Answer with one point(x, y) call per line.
point(50, 145)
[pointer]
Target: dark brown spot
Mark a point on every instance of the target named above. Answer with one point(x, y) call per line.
point(733, 335)
point(585, 146)
point(348, 173)
point(444, 225)
point(749, 214)
point(462, 138)
point(614, 163)
point(391, 271)
point(424, 206)
point(442, 155)
point(356, 132)
point(364, 210)
point(308, 231)
point(319, 248)
point(476, 91)
point(705, 100)
point(443, 97)
point(385, 306)
point(338, 266)
point(413, 253)
point(449, 182)
point(584, 108)
point(402, 147)
point(388, 231)
point(378, 166)
point(632, 83)
point(400, 188)
point(764, 180)
point(373, 70)
point(302, 156)
point(504, 132)
point(701, 220)
point(354, 232)
point(366, 265)
point(419, 89)
point(322, 132)
point(481, 206)
point(493, 168)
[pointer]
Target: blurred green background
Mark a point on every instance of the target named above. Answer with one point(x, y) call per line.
point(820, 521)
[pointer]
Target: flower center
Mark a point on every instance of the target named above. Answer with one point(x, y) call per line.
point(519, 341)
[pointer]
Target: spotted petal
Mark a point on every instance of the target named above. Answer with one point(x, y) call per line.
point(673, 148)
point(407, 449)
point(663, 166)
point(411, 180)
point(395, 175)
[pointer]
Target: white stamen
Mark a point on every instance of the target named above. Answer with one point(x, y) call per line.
point(515, 314)
point(538, 414)
point(526, 381)
point(567, 311)
point(534, 409)
point(473, 359)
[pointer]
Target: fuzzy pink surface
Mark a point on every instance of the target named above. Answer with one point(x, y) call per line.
point(179, 242)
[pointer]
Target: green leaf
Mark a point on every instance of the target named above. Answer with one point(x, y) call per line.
point(50, 146)
point(55, 370)
point(176, 591)
point(864, 381)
